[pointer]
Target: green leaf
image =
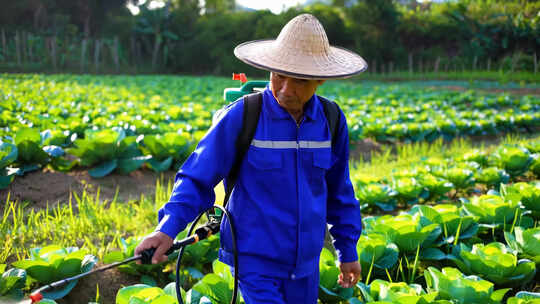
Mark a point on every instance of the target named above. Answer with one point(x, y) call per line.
point(8, 154)
point(59, 292)
point(5, 181)
point(127, 165)
point(214, 287)
point(160, 166)
point(125, 293)
point(103, 169)
point(12, 279)
point(27, 134)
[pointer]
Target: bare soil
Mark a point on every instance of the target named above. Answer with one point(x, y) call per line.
point(108, 283)
point(42, 188)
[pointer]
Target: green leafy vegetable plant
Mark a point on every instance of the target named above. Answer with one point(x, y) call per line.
point(454, 225)
point(436, 186)
point(145, 294)
point(409, 190)
point(513, 159)
point(380, 291)
point(11, 283)
point(107, 150)
point(407, 231)
point(376, 194)
point(218, 285)
point(524, 297)
point(526, 193)
point(526, 242)
point(376, 253)
point(452, 285)
point(493, 262)
point(164, 149)
point(8, 155)
point(491, 210)
point(329, 289)
point(492, 177)
point(53, 263)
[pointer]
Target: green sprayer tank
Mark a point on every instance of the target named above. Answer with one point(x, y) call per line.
point(248, 87)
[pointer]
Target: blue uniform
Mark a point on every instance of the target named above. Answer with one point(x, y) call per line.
point(291, 183)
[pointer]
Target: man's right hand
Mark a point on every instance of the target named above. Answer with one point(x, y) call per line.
point(158, 240)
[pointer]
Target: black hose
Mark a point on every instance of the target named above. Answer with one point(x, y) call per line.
point(235, 254)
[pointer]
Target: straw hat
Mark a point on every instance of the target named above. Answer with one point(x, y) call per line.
point(302, 51)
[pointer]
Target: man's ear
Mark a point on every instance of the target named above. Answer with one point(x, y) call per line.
point(321, 81)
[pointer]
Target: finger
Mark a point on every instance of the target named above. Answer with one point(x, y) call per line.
point(159, 255)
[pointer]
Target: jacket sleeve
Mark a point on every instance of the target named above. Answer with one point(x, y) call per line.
point(193, 190)
point(343, 210)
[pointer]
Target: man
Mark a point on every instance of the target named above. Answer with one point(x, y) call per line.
point(294, 178)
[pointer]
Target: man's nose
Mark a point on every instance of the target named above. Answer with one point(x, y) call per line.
point(287, 88)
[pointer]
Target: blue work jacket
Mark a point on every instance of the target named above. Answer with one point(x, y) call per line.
point(291, 183)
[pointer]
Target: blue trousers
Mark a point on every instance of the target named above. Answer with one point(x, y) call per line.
point(259, 289)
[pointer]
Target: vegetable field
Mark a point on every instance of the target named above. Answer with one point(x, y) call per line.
point(446, 218)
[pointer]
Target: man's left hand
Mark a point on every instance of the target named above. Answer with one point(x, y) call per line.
point(350, 274)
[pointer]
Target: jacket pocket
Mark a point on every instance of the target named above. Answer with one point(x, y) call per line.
point(264, 159)
point(322, 159)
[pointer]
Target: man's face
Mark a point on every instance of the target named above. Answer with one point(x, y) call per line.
point(293, 93)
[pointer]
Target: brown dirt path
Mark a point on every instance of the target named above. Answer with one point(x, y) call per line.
point(46, 187)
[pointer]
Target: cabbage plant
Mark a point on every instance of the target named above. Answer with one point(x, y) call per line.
point(375, 249)
point(451, 220)
point(380, 291)
point(491, 210)
point(407, 231)
point(526, 193)
point(142, 293)
point(329, 289)
point(535, 164)
point(436, 186)
point(494, 262)
point(492, 177)
point(409, 190)
point(452, 285)
point(513, 159)
point(11, 283)
point(524, 297)
point(376, 194)
point(29, 144)
point(8, 155)
point(477, 156)
point(461, 178)
point(164, 149)
point(526, 242)
point(216, 286)
point(107, 150)
point(53, 263)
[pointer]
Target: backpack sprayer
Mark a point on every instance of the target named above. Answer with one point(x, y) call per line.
point(212, 227)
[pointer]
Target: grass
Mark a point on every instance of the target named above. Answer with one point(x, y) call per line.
point(402, 157)
point(84, 221)
point(87, 221)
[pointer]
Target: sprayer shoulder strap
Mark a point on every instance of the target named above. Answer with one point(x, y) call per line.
point(250, 119)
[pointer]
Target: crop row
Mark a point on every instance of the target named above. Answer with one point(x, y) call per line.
point(123, 123)
point(469, 247)
point(433, 179)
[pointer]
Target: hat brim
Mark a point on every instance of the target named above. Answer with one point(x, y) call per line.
point(337, 63)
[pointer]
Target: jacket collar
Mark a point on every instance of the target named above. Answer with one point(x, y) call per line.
point(311, 108)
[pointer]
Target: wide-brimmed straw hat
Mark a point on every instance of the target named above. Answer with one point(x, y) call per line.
point(301, 50)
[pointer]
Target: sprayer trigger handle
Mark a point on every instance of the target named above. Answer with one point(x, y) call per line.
point(146, 255)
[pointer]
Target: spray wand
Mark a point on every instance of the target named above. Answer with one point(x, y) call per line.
point(146, 258)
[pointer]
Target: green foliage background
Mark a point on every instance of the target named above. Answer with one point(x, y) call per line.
point(186, 37)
